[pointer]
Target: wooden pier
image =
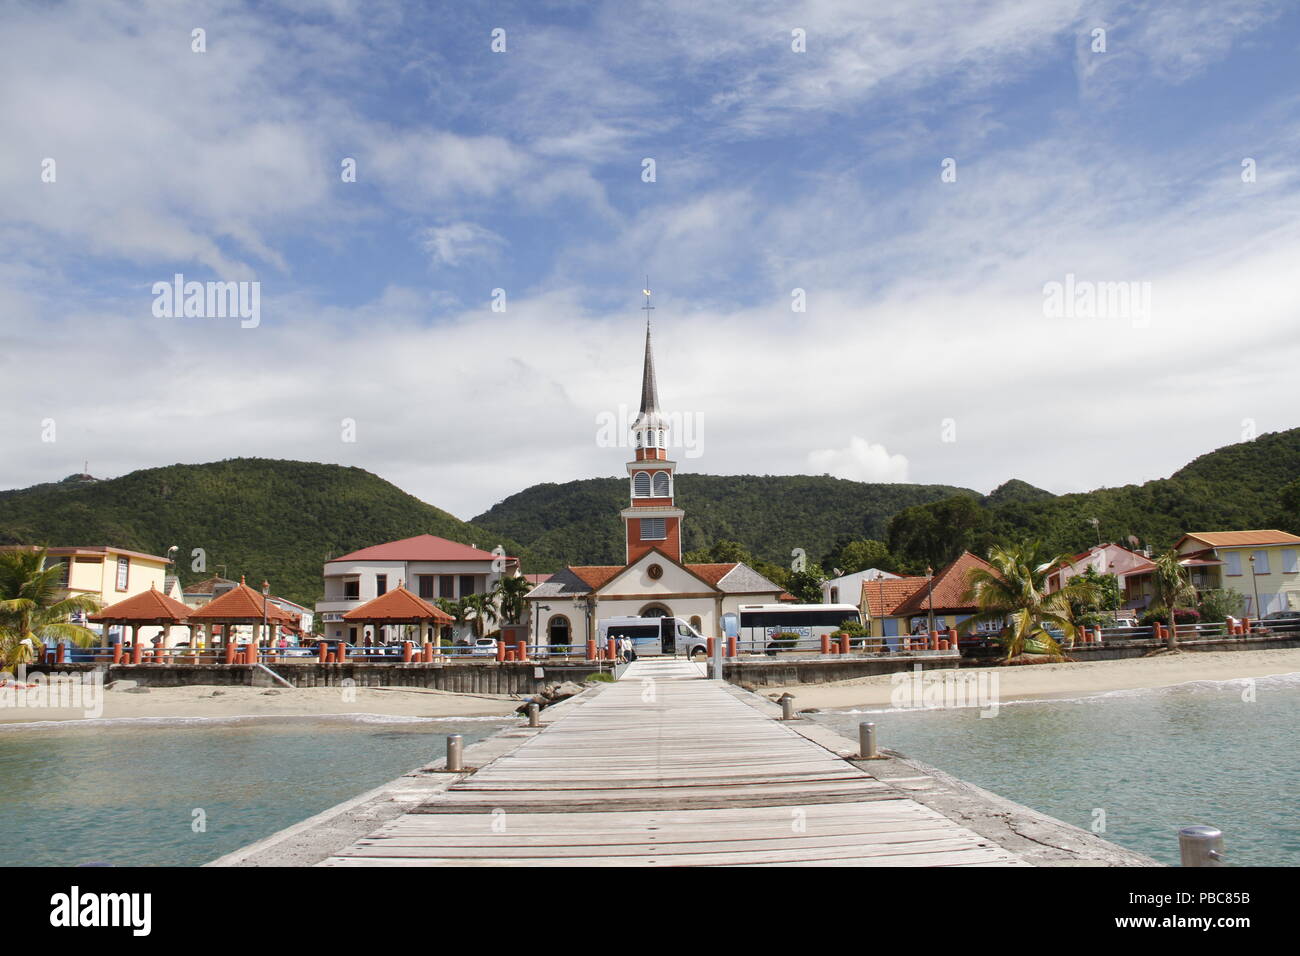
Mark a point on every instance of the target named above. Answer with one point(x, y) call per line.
point(666, 768)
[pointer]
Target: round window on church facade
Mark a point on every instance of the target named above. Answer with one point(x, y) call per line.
point(655, 572)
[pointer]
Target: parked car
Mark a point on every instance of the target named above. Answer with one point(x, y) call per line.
point(484, 647)
point(1286, 620)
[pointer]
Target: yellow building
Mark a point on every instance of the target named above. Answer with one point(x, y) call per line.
point(112, 574)
point(1262, 566)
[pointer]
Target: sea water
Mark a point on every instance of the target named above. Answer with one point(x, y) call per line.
point(1132, 766)
point(183, 792)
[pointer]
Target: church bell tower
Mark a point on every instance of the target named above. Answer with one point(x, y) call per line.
point(651, 520)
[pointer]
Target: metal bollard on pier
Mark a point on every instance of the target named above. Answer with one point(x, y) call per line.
point(787, 707)
point(867, 741)
point(533, 711)
point(455, 752)
point(1201, 846)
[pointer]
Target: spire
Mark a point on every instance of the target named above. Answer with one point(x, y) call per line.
point(649, 388)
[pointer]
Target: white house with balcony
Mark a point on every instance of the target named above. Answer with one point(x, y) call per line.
point(426, 565)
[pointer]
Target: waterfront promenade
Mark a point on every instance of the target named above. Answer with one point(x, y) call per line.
point(665, 768)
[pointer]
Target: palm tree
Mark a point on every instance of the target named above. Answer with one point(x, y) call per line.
point(509, 592)
point(1172, 587)
point(1015, 594)
point(35, 608)
point(458, 610)
point(481, 610)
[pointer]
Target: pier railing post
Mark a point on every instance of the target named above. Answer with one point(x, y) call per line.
point(867, 740)
point(455, 752)
point(1200, 846)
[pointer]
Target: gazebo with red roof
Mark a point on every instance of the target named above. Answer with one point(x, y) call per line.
point(400, 607)
point(241, 605)
point(149, 608)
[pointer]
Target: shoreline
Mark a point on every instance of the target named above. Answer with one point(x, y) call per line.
point(204, 702)
point(1061, 681)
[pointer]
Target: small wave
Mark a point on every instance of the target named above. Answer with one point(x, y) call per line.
point(1269, 682)
point(239, 719)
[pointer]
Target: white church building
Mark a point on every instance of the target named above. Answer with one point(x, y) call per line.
point(568, 606)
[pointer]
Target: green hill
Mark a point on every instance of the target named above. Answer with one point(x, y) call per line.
point(277, 520)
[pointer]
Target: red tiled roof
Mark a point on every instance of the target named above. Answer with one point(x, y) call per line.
point(146, 607)
point(596, 576)
point(398, 606)
point(712, 573)
point(538, 578)
point(891, 591)
point(241, 603)
point(207, 585)
point(422, 547)
point(948, 591)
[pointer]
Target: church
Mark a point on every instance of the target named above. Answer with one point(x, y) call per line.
point(653, 582)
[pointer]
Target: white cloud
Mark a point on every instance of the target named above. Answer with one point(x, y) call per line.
point(453, 243)
point(860, 461)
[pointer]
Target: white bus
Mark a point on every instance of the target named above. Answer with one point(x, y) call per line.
point(760, 623)
point(654, 635)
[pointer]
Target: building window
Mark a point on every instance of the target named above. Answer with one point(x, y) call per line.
point(662, 489)
point(425, 584)
point(1261, 562)
point(641, 484)
point(655, 610)
point(1232, 563)
point(1289, 561)
point(835, 595)
point(466, 584)
point(697, 623)
point(381, 584)
point(123, 573)
point(653, 529)
point(447, 586)
point(352, 589)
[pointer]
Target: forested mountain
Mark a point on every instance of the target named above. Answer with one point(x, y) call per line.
point(277, 520)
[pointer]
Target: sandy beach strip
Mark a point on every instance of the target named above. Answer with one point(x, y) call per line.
point(1041, 681)
point(162, 703)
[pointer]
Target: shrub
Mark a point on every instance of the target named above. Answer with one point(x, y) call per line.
point(601, 677)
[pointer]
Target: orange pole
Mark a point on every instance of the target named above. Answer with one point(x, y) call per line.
point(826, 644)
point(845, 646)
point(510, 653)
point(408, 652)
point(323, 653)
point(591, 650)
point(137, 653)
point(521, 650)
point(733, 646)
point(501, 651)
point(952, 638)
point(61, 653)
point(117, 653)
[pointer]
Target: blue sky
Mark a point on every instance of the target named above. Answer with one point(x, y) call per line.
point(924, 353)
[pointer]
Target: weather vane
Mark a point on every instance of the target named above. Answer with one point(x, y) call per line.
point(647, 308)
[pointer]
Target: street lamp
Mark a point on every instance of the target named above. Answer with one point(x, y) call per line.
point(929, 586)
point(1254, 580)
point(266, 593)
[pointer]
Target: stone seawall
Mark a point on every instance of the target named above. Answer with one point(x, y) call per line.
point(488, 677)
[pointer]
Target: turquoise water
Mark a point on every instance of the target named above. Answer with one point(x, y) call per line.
point(1152, 760)
point(126, 793)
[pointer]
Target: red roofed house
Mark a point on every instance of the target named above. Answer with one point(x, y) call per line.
point(1133, 570)
point(429, 566)
point(897, 606)
point(653, 582)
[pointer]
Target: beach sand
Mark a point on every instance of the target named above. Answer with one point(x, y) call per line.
point(199, 701)
point(1081, 679)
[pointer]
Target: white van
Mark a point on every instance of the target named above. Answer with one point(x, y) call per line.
point(653, 636)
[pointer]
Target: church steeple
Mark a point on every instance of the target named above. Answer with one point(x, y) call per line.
point(652, 520)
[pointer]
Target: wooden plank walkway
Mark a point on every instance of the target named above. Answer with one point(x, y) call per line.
point(665, 768)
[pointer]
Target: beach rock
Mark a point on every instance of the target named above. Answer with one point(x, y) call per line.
point(269, 692)
point(121, 685)
point(217, 693)
point(811, 710)
point(136, 690)
point(567, 689)
point(749, 687)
